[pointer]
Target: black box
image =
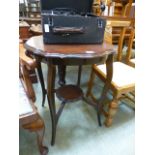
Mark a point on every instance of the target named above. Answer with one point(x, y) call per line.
point(71, 22)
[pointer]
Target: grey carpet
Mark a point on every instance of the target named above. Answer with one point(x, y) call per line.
point(78, 132)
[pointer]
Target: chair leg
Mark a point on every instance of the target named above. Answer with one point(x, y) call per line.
point(111, 111)
point(90, 83)
point(43, 149)
point(39, 128)
point(98, 115)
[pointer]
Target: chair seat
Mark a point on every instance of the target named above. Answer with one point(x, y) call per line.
point(24, 105)
point(132, 60)
point(123, 75)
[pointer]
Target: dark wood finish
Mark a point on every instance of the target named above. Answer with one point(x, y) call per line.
point(69, 93)
point(41, 78)
point(56, 54)
point(61, 74)
point(68, 54)
point(51, 97)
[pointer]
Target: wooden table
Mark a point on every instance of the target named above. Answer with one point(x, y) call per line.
point(52, 55)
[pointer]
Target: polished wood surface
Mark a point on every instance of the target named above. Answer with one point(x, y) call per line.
point(58, 54)
point(37, 47)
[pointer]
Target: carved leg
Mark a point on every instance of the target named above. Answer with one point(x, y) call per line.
point(109, 73)
point(38, 127)
point(40, 134)
point(51, 98)
point(40, 74)
point(62, 74)
point(111, 111)
point(90, 83)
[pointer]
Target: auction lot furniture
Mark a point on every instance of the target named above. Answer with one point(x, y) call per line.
point(123, 81)
point(74, 55)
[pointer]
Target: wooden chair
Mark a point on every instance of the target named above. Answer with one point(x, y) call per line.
point(123, 81)
point(29, 117)
point(130, 61)
point(120, 8)
point(25, 65)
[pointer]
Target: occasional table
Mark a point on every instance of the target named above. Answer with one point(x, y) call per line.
point(70, 55)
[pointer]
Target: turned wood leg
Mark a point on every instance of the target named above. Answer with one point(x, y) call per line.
point(38, 127)
point(90, 83)
point(41, 78)
point(112, 109)
point(51, 98)
point(109, 73)
point(61, 74)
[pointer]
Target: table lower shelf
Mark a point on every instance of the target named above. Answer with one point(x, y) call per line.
point(69, 93)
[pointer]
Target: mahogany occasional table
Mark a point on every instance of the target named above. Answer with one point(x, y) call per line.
point(70, 55)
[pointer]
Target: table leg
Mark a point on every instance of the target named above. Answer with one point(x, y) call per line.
point(51, 98)
point(62, 74)
point(41, 78)
point(109, 73)
point(79, 75)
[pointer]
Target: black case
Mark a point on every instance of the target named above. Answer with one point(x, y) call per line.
point(71, 22)
point(78, 5)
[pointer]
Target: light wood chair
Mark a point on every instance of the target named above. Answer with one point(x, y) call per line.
point(123, 81)
point(130, 61)
point(120, 8)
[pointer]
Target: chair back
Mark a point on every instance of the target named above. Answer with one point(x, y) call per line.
point(129, 45)
point(119, 7)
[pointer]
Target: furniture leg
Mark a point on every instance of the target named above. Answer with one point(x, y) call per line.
point(111, 111)
point(79, 75)
point(43, 149)
point(51, 98)
point(38, 127)
point(90, 84)
point(109, 73)
point(60, 111)
point(41, 78)
point(61, 74)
